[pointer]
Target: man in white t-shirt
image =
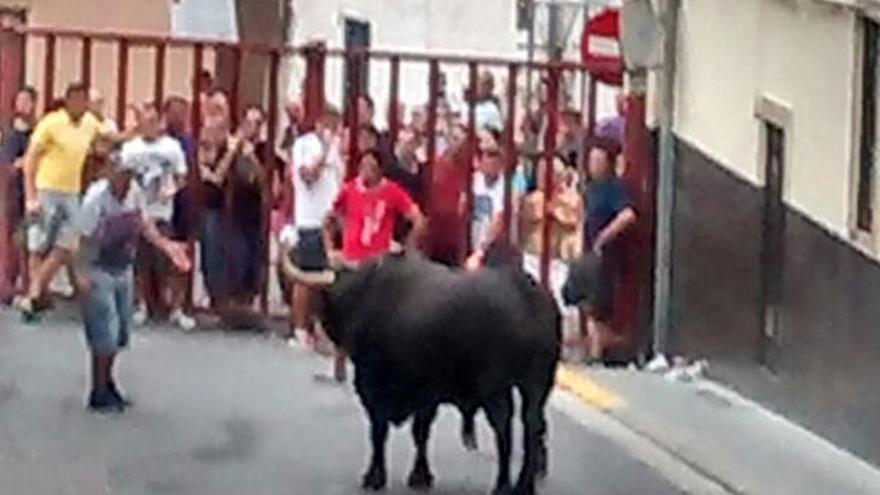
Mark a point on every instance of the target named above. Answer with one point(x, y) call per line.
point(487, 112)
point(317, 174)
point(160, 170)
point(487, 219)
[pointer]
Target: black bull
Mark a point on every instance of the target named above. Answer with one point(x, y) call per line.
point(421, 335)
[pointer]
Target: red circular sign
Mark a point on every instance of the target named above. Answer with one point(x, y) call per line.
point(600, 47)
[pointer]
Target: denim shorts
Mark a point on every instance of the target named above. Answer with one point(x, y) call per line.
point(107, 309)
point(54, 226)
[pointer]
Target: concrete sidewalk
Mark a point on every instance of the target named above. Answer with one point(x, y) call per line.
point(723, 436)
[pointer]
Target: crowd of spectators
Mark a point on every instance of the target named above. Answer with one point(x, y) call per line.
point(216, 192)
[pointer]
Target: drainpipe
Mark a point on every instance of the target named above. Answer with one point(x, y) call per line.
point(665, 182)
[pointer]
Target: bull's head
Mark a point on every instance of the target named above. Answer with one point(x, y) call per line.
point(336, 290)
point(583, 279)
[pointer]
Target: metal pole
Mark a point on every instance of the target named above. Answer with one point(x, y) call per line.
point(665, 183)
point(554, 76)
point(530, 57)
point(553, 51)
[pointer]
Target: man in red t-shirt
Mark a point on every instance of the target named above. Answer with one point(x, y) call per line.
point(368, 207)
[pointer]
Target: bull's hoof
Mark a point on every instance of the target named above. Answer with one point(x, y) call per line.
point(502, 490)
point(375, 480)
point(420, 479)
point(542, 467)
point(524, 489)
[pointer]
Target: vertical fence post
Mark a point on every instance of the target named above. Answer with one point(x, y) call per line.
point(159, 71)
point(196, 107)
point(122, 83)
point(194, 177)
point(235, 105)
point(354, 86)
point(394, 102)
point(433, 86)
point(637, 267)
point(269, 166)
point(591, 109)
point(583, 96)
point(510, 151)
point(86, 61)
point(471, 151)
point(10, 69)
point(313, 104)
point(49, 73)
point(553, 76)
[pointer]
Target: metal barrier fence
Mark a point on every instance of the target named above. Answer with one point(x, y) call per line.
point(47, 58)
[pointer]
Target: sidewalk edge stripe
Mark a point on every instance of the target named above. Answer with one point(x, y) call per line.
point(587, 390)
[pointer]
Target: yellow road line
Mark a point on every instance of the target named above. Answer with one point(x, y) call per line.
point(584, 388)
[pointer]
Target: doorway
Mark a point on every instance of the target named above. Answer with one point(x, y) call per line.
point(772, 245)
point(357, 73)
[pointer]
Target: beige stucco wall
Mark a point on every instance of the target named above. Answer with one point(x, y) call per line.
point(799, 54)
point(151, 16)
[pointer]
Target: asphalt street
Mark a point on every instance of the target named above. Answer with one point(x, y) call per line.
point(226, 413)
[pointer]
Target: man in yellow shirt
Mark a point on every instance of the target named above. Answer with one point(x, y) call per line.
point(53, 183)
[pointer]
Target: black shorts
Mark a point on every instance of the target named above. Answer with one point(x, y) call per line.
point(309, 254)
point(601, 303)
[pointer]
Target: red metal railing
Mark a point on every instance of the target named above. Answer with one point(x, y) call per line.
point(316, 57)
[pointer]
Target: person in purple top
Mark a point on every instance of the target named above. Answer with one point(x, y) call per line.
point(614, 127)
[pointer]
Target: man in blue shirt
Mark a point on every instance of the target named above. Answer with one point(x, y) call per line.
point(110, 223)
point(610, 212)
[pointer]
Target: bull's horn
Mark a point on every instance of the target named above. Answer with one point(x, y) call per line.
point(314, 279)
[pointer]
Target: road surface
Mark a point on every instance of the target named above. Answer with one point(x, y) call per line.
point(225, 413)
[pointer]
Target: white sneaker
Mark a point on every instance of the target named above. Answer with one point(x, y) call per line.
point(139, 317)
point(184, 322)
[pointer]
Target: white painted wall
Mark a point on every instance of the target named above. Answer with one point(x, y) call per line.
point(204, 19)
point(800, 54)
point(486, 27)
point(467, 27)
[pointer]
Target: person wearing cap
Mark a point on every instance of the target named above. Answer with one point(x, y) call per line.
point(112, 219)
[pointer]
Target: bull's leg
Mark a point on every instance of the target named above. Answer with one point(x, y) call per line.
point(534, 396)
point(421, 478)
point(376, 476)
point(499, 411)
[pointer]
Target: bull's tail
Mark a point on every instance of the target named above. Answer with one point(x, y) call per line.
point(502, 253)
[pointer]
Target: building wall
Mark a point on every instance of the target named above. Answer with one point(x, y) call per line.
point(253, 21)
point(120, 16)
point(802, 57)
point(799, 54)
